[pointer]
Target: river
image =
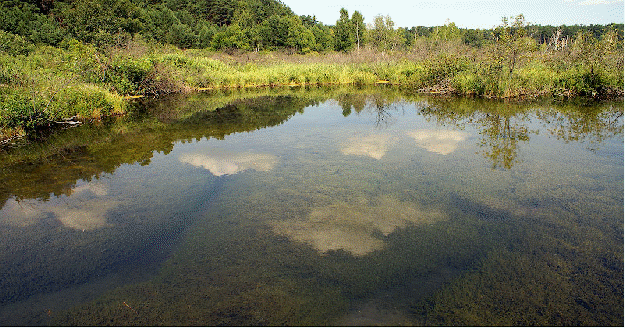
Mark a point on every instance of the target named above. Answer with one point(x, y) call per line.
point(319, 206)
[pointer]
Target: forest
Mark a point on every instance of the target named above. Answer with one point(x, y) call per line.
point(247, 25)
point(65, 59)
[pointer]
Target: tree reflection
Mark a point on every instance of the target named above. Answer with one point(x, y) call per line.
point(501, 140)
point(383, 115)
point(52, 167)
point(380, 102)
point(589, 124)
point(357, 102)
point(84, 153)
point(504, 125)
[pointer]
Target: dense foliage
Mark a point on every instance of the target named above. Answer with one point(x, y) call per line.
point(242, 24)
point(219, 24)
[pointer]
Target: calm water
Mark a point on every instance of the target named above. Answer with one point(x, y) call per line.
point(318, 207)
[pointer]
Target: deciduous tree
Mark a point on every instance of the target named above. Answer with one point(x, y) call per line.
point(343, 35)
point(382, 34)
point(359, 29)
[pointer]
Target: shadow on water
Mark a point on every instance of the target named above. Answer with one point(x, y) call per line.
point(47, 286)
point(46, 251)
point(238, 235)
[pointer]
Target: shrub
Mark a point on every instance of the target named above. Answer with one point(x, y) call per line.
point(127, 74)
point(442, 68)
point(363, 78)
point(33, 110)
point(86, 101)
point(17, 110)
point(14, 44)
point(11, 71)
point(469, 83)
point(583, 82)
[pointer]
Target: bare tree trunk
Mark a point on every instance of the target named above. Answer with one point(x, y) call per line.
point(357, 37)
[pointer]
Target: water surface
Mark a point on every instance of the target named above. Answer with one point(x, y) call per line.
point(319, 207)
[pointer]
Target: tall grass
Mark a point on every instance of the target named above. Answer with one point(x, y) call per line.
point(41, 84)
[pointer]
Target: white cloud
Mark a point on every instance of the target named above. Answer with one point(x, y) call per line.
point(20, 213)
point(84, 209)
point(441, 142)
point(353, 226)
point(220, 162)
point(374, 146)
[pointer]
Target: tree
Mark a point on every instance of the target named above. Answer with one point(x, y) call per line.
point(383, 35)
point(219, 12)
point(448, 32)
point(324, 37)
point(97, 20)
point(308, 21)
point(474, 38)
point(205, 34)
point(592, 52)
point(25, 19)
point(513, 40)
point(300, 37)
point(597, 61)
point(344, 38)
point(243, 16)
point(287, 32)
point(232, 37)
point(359, 28)
point(182, 36)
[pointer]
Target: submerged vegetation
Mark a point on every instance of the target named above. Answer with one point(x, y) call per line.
point(67, 61)
point(479, 246)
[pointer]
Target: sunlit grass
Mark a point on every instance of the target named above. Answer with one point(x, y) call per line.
point(81, 80)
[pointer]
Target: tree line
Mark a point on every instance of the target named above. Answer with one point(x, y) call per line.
point(247, 25)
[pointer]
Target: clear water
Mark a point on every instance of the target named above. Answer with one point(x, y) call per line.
point(319, 207)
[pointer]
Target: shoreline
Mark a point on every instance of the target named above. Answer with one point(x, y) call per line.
point(8, 135)
point(51, 84)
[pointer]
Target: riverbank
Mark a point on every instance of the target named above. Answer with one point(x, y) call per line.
point(43, 85)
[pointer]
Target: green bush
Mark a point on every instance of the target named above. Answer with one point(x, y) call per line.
point(363, 78)
point(86, 101)
point(20, 111)
point(469, 83)
point(442, 68)
point(127, 74)
point(11, 71)
point(14, 44)
point(582, 82)
point(537, 78)
point(31, 110)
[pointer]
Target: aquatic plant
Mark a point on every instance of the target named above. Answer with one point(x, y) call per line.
point(409, 234)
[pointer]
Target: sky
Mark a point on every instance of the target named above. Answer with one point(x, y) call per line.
point(465, 13)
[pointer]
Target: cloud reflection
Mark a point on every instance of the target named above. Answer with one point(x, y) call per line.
point(353, 227)
point(441, 142)
point(84, 209)
point(374, 146)
point(220, 162)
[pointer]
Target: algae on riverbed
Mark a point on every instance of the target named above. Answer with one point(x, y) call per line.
point(315, 214)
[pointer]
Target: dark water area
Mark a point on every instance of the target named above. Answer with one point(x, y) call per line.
point(322, 206)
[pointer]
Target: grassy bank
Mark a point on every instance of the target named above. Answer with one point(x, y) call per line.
point(40, 85)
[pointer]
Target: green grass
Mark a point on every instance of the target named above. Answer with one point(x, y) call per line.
point(41, 84)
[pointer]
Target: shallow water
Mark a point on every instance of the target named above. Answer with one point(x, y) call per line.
point(319, 207)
